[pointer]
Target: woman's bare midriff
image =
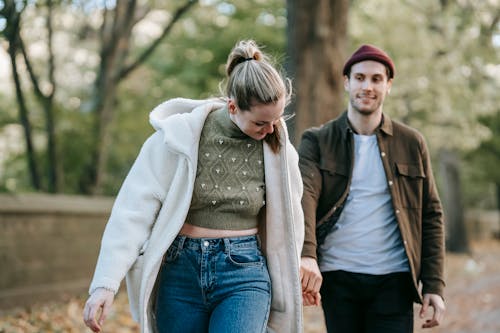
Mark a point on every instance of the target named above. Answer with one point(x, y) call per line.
point(193, 231)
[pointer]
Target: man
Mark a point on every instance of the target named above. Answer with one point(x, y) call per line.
point(374, 221)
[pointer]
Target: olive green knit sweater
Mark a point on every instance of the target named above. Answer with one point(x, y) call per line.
point(229, 189)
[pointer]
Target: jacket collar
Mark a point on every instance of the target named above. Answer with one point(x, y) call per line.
point(386, 125)
point(346, 129)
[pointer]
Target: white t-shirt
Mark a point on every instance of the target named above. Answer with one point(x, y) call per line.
point(366, 238)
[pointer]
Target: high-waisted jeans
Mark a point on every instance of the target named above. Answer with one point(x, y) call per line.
point(214, 285)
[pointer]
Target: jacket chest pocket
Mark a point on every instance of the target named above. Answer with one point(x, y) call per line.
point(335, 177)
point(333, 170)
point(410, 182)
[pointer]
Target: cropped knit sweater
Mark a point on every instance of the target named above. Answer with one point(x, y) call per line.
point(229, 189)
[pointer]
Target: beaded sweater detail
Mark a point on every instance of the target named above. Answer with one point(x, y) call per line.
point(229, 189)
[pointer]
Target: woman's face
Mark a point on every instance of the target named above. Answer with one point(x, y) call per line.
point(259, 121)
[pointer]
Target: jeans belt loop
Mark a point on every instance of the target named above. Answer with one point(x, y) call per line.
point(259, 242)
point(227, 245)
point(182, 239)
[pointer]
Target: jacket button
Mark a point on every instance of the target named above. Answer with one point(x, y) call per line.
point(390, 183)
point(397, 211)
point(382, 154)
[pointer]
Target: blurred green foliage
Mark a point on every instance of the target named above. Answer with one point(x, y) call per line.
point(189, 63)
point(446, 85)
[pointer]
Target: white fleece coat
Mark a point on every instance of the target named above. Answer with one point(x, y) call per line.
point(154, 200)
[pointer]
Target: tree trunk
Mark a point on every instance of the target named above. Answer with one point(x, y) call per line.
point(54, 169)
point(23, 118)
point(53, 172)
point(12, 33)
point(317, 38)
point(114, 68)
point(116, 30)
point(457, 240)
point(46, 101)
point(16, 45)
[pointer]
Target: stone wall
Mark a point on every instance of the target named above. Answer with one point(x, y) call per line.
point(48, 245)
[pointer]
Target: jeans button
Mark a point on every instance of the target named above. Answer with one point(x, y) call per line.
point(206, 243)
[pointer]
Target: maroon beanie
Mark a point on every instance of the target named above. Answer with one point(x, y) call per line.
point(369, 52)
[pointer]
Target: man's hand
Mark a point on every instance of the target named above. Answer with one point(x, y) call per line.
point(101, 299)
point(311, 280)
point(437, 303)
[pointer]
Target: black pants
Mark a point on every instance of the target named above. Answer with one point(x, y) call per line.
point(364, 303)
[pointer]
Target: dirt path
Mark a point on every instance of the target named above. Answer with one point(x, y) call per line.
point(472, 299)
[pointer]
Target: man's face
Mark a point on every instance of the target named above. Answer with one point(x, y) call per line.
point(367, 85)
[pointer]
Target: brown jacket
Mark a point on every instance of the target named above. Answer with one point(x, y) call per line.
point(326, 161)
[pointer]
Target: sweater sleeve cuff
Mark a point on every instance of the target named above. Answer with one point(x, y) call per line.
point(104, 283)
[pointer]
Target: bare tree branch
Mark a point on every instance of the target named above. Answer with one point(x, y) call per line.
point(141, 13)
point(33, 76)
point(25, 122)
point(494, 23)
point(178, 14)
point(104, 24)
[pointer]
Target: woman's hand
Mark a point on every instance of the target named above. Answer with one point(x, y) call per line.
point(313, 299)
point(98, 304)
point(310, 275)
point(311, 279)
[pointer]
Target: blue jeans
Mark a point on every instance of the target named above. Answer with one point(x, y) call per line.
point(213, 285)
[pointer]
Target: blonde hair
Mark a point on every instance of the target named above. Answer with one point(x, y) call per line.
point(253, 80)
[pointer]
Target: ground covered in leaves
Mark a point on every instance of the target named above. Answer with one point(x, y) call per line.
point(472, 300)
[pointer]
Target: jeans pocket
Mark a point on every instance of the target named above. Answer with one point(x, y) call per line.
point(172, 254)
point(245, 256)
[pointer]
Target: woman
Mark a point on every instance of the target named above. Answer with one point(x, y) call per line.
point(208, 225)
